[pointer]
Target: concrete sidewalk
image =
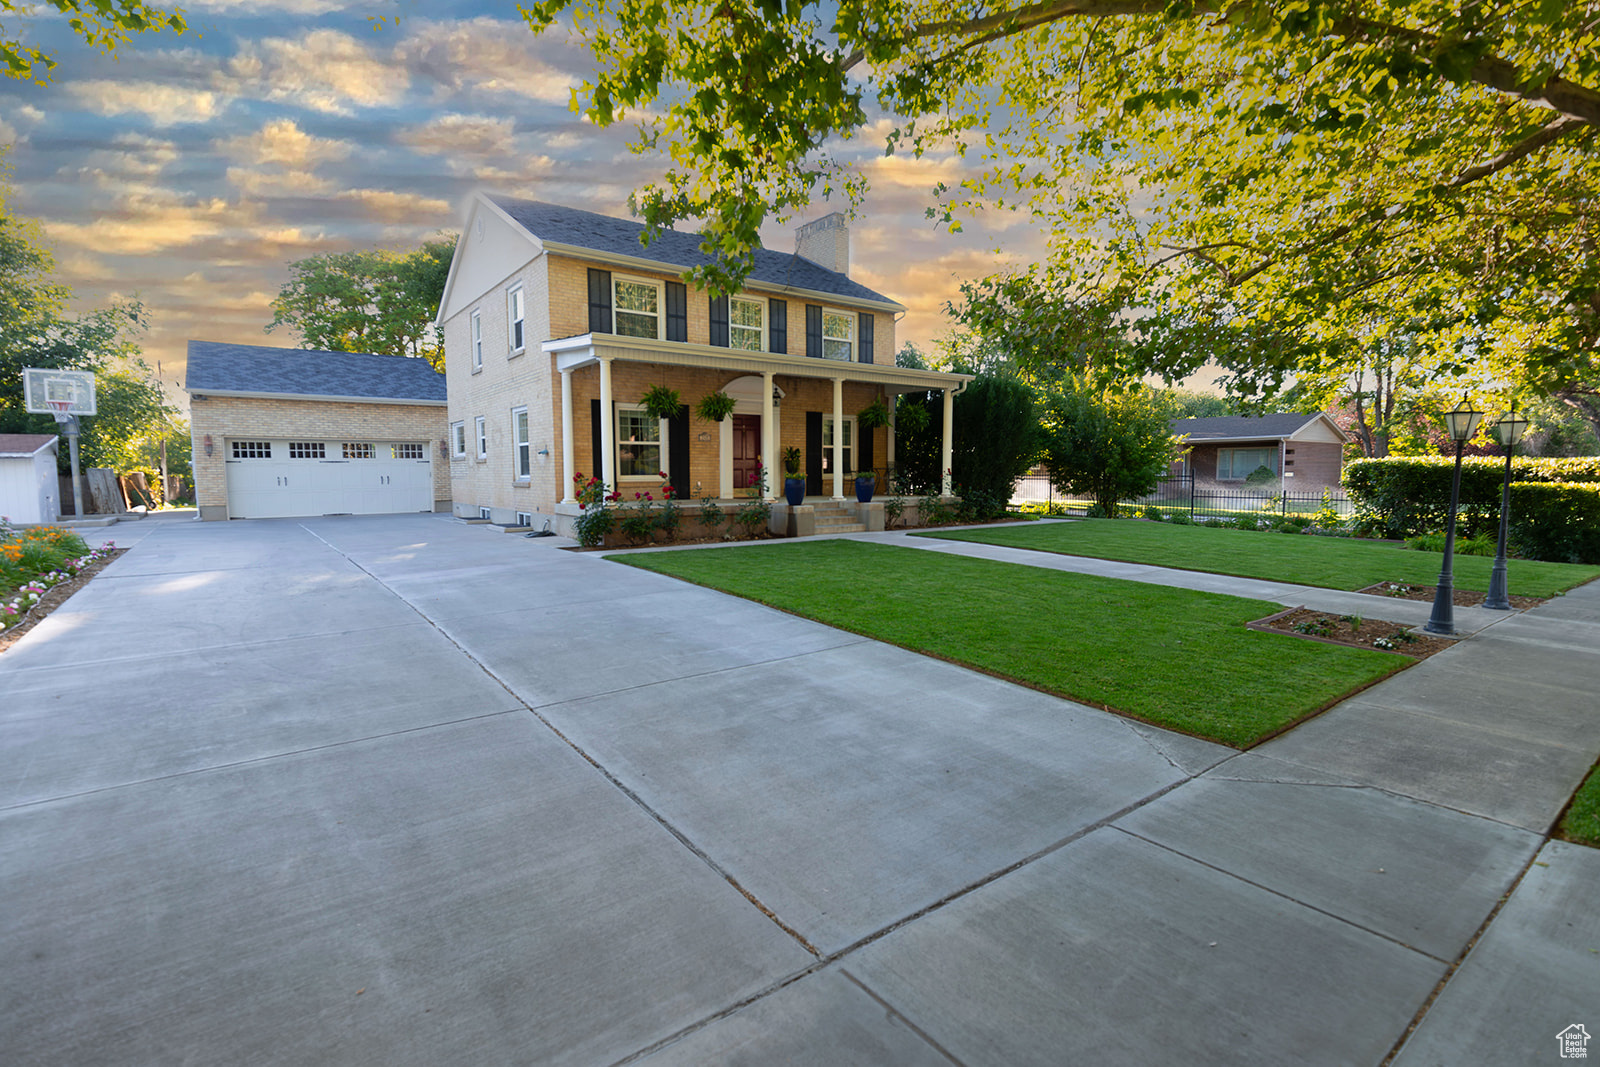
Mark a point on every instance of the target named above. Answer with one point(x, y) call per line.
point(402, 790)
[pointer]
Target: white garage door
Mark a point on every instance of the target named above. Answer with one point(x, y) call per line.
point(281, 479)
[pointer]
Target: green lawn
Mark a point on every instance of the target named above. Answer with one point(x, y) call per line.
point(1330, 562)
point(1582, 821)
point(1173, 657)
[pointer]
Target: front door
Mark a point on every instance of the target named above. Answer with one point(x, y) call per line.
point(746, 449)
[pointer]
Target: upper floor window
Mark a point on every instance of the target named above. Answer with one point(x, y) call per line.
point(838, 335)
point(747, 323)
point(477, 340)
point(636, 307)
point(514, 316)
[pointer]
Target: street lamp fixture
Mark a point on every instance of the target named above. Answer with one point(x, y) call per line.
point(1463, 422)
point(1509, 429)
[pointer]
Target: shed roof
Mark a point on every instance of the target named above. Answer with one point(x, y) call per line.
point(1282, 425)
point(219, 367)
point(606, 235)
point(25, 444)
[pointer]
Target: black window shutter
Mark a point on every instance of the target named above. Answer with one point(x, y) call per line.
point(864, 349)
point(594, 441)
point(599, 301)
point(864, 450)
point(678, 453)
point(814, 452)
point(777, 326)
point(677, 311)
point(719, 321)
point(814, 331)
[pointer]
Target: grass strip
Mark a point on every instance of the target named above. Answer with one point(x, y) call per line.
point(1327, 562)
point(1172, 657)
point(1582, 821)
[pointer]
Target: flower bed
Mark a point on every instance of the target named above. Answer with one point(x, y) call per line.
point(34, 561)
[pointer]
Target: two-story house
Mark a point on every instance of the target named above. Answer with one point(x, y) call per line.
point(557, 321)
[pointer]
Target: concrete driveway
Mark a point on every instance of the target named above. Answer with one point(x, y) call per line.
point(404, 790)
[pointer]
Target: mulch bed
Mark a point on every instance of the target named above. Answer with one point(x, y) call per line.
point(53, 599)
point(1352, 630)
point(1462, 598)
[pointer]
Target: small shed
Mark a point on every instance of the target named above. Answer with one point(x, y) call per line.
point(29, 487)
point(1306, 452)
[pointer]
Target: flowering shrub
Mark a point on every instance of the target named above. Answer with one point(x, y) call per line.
point(34, 560)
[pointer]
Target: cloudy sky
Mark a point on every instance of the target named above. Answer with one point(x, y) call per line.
point(191, 171)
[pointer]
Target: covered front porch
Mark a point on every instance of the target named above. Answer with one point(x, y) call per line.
point(780, 401)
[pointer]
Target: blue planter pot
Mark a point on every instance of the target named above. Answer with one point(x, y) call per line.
point(794, 491)
point(864, 487)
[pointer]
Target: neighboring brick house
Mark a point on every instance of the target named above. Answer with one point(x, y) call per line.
point(1306, 451)
point(281, 432)
point(556, 321)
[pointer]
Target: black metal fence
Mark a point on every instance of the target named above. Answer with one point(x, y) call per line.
point(1182, 493)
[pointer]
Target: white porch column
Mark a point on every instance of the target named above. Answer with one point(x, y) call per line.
point(769, 464)
point(608, 433)
point(568, 464)
point(838, 439)
point(888, 452)
point(944, 450)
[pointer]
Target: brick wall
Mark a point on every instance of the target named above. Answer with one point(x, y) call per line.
point(314, 420)
point(1316, 465)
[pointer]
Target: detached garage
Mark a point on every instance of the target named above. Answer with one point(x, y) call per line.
point(289, 432)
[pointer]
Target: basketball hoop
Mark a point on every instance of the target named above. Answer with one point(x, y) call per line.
point(61, 409)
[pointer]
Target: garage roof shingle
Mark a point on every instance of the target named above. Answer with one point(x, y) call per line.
point(219, 367)
point(1235, 427)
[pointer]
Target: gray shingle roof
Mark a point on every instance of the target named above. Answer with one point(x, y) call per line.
point(23, 444)
point(1242, 426)
point(215, 366)
point(604, 234)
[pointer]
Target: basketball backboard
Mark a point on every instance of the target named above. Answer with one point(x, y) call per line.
point(44, 390)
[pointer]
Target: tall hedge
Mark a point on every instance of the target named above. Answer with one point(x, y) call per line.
point(1402, 496)
point(1556, 522)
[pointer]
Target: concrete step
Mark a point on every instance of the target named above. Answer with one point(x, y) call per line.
point(840, 527)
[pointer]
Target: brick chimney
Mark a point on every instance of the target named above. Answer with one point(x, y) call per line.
point(825, 242)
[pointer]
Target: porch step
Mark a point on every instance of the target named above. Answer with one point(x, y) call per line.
point(836, 519)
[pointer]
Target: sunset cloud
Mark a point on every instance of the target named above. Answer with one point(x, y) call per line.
point(163, 105)
point(323, 70)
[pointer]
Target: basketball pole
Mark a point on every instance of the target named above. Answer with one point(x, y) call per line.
point(69, 424)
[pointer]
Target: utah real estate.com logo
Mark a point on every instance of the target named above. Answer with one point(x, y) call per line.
point(1574, 1042)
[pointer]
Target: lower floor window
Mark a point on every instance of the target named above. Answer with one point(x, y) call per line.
point(307, 450)
point(1240, 463)
point(358, 450)
point(640, 452)
point(406, 451)
point(848, 441)
point(252, 450)
point(519, 436)
point(458, 439)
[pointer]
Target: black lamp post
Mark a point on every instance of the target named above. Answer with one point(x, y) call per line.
point(1463, 421)
point(1509, 429)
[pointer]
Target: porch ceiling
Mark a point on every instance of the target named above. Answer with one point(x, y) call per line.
point(574, 352)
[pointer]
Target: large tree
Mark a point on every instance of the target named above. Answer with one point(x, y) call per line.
point(37, 331)
point(102, 24)
point(379, 301)
point(1250, 180)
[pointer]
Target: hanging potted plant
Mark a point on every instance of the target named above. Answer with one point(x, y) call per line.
point(661, 402)
point(873, 415)
point(714, 407)
point(910, 417)
point(794, 486)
